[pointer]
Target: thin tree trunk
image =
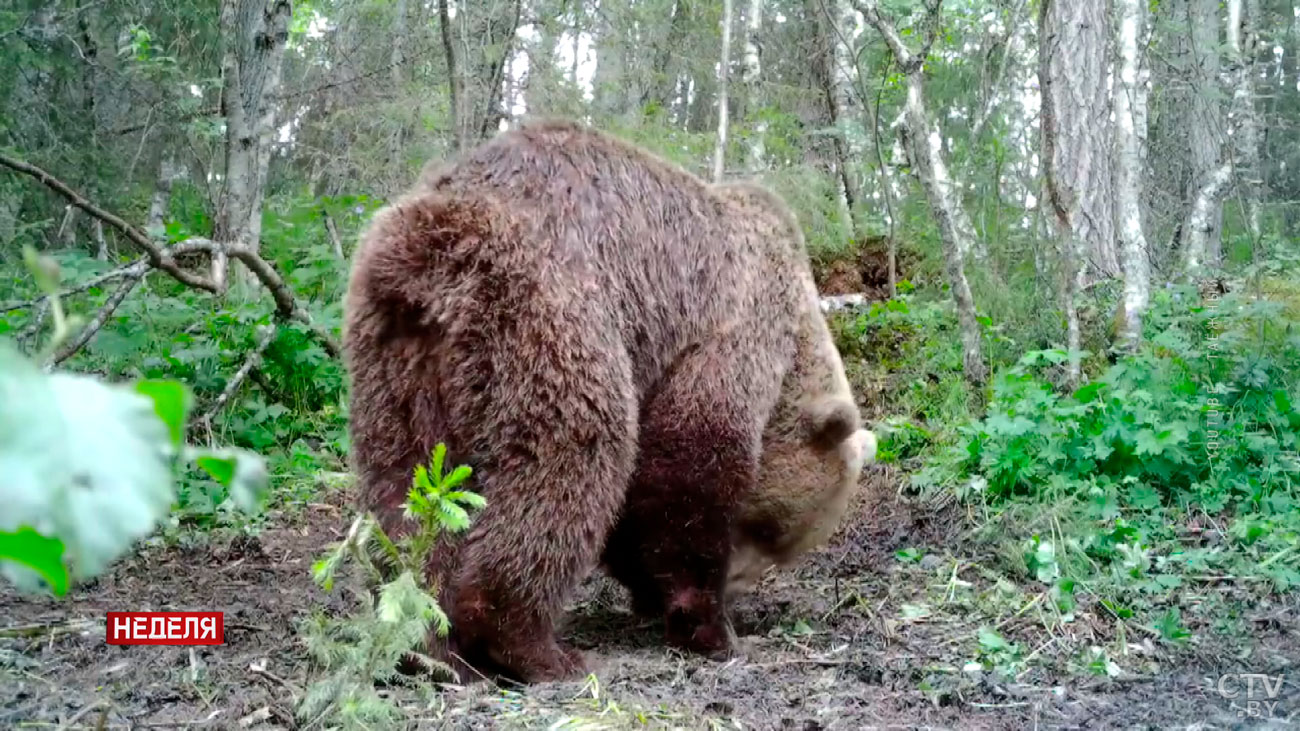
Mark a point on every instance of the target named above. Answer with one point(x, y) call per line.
point(397, 77)
point(161, 199)
point(724, 71)
point(1199, 227)
point(333, 232)
point(455, 88)
point(1205, 120)
point(888, 176)
point(834, 21)
point(920, 137)
point(750, 74)
point(1130, 96)
point(1243, 45)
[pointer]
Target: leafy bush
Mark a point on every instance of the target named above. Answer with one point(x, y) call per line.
point(1200, 420)
point(89, 468)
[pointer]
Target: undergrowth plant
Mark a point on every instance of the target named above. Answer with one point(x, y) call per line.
point(88, 467)
point(396, 606)
point(1176, 463)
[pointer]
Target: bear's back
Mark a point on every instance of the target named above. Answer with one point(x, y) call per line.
point(668, 256)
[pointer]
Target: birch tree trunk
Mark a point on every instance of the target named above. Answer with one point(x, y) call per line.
point(1243, 45)
point(1241, 116)
point(253, 40)
point(751, 72)
point(920, 137)
point(1077, 134)
point(1203, 112)
point(1130, 94)
point(835, 24)
point(162, 196)
point(724, 70)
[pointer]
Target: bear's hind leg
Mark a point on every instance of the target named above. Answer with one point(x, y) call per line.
point(699, 447)
point(558, 421)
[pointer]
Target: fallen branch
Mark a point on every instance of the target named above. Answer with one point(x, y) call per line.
point(254, 357)
point(97, 322)
point(136, 268)
point(164, 257)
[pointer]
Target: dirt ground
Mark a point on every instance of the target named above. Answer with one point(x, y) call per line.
point(835, 643)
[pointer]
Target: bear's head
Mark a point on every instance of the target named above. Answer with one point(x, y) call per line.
point(813, 451)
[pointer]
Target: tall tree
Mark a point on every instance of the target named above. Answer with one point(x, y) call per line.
point(924, 145)
point(1241, 137)
point(254, 33)
point(1130, 99)
point(1077, 150)
point(724, 71)
point(750, 74)
point(834, 58)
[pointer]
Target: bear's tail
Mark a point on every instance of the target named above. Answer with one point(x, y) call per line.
point(413, 250)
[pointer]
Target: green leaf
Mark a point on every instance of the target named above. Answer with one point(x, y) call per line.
point(240, 471)
point(439, 454)
point(457, 476)
point(84, 462)
point(991, 642)
point(222, 469)
point(909, 554)
point(472, 499)
point(1148, 443)
point(171, 401)
point(34, 551)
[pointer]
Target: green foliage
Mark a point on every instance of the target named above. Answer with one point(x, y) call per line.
point(1200, 421)
point(396, 607)
point(89, 468)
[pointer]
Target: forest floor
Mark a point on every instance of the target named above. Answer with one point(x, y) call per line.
point(853, 637)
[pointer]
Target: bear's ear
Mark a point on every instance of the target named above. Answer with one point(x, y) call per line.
point(830, 421)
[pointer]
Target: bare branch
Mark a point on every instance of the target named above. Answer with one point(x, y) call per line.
point(163, 257)
point(157, 256)
point(68, 349)
point(232, 386)
point(136, 268)
point(34, 327)
point(870, 10)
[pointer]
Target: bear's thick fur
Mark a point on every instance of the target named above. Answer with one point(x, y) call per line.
point(805, 480)
point(566, 311)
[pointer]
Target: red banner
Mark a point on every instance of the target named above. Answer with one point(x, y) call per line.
point(165, 628)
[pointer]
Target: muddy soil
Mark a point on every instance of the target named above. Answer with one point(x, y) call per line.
point(835, 643)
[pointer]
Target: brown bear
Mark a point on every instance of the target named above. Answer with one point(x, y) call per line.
point(805, 482)
point(579, 321)
point(808, 470)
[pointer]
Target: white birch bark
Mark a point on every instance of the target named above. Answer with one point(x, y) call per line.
point(724, 68)
point(920, 137)
point(1130, 96)
point(1243, 159)
point(751, 71)
point(1243, 45)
